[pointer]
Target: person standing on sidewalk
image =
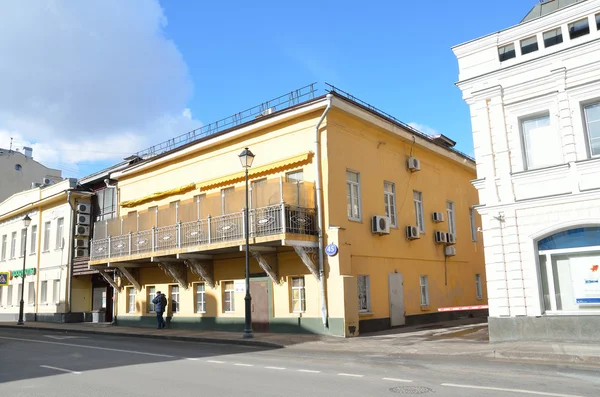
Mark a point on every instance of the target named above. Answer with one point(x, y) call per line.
point(160, 304)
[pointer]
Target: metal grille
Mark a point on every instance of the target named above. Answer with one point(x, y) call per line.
point(166, 238)
point(194, 233)
point(227, 227)
point(119, 246)
point(141, 242)
point(265, 221)
point(299, 220)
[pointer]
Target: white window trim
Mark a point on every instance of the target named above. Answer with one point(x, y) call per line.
point(588, 137)
point(130, 299)
point(390, 199)
point(60, 233)
point(47, 236)
point(368, 292)
point(302, 293)
point(359, 201)
point(450, 212)
point(151, 293)
point(424, 282)
point(232, 294)
point(203, 293)
point(44, 292)
point(172, 297)
point(31, 293)
point(419, 217)
point(473, 222)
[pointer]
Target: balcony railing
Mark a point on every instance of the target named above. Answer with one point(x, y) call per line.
point(271, 220)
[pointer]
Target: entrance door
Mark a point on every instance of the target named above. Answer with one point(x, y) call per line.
point(396, 292)
point(259, 289)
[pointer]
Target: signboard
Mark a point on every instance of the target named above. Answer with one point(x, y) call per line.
point(239, 285)
point(331, 249)
point(19, 273)
point(4, 278)
point(585, 275)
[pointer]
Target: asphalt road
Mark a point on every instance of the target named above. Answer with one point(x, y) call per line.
point(42, 363)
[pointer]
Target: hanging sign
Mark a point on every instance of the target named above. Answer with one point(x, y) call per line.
point(239, 285)
point(331, 249)
point(585, 274)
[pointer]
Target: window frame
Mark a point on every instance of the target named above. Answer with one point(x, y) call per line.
point(389, 198)
point(56, 291)
point(473, 223)
point(4, 246)
point(419, 210)
point(301, 294)
point(1, 296)
point(60, 233)
point(367, 288)
point(231, 293)
point(587, 126)
point(32, 248)
point(31, 293)
point(478, 286)
point(130, 299)
point(529, 48)
point(350, 185)
point(554, 38)
point(23, 251)
point(501, 54)
point(424, 290)
point(9, 295)
point(44, 292)
point(13, 245)
point(451, 214)
point(200, 304)
point(150, 294)
point(580, 33)
point(524, 145)
point(174, 296)
point(47, 235)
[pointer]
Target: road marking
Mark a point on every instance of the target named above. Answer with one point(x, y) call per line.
point(274, 368)
point(539, 393)
point(353, 375)
point(215, 362)
point(60, 369)
point(398, 380)
point(88, 347)
point(309, 371)
point(64, 337)
point(243, 365)
point(192, 359)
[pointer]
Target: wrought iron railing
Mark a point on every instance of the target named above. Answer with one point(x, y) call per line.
point(274, 219)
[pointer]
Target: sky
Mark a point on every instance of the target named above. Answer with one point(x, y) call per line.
point(86, 84)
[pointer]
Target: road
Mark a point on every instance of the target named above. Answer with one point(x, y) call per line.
point(42, 363)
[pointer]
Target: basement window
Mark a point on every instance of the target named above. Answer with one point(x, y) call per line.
point(529, 45)
point(506, 52)
point(579, 28)
point(553, 37)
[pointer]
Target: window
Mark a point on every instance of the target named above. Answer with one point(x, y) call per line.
point(175, 299)
point(424, 282)
point(473, 222)
point(364, 299)
point(592, 121)
point(151, 295)
point(506, 52)
point(553, 37)
point(298, 295)
point(9, 295)
point(226, 201)
point(353, 195)
point(105, 203)
point(200, 200)
point(13, 245)
point(4, 241)
point(56, 291)
point(44, 292)
point(259, 194)
point(31, 293)
point(294, 176)
point(528, 45)
point(228, 297)
point(18, 167)
point(46, 236)
point(579, 28)
point(131, 300)
point(598, 21)
point(1, 297)
point(541, 143)
point(451, 218)
point(419, 214)
point(478, 286)
point(389, 198)
point(60, 225)
point(33, 239)
point(200, 298)
point(297, 177)
point(19, 292)
point(23, 242)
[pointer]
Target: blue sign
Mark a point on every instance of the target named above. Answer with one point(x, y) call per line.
point(3, 279)
point(331, 249)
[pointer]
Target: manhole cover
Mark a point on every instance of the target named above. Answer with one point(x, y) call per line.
point(411, 390)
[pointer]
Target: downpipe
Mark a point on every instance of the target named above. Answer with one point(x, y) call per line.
point(71, 250)
point(320, 210)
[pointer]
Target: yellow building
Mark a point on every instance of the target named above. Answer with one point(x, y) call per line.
point(374, 183)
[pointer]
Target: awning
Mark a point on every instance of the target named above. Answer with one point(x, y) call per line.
point(158, 195)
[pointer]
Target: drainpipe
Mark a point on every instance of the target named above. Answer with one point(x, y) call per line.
point(71, 250)
point(320, 208)
point(115, 292)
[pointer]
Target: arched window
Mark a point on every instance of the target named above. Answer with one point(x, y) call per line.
point(570, 270)
point(18, 167)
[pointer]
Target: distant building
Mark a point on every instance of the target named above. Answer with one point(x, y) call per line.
point(19, 172)
point(534, 96)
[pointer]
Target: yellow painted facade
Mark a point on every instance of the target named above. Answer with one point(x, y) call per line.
point(285, 258)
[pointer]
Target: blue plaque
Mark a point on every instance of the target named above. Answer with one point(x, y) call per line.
point(331, 249)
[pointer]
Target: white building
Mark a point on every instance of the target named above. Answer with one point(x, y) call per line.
point(19, 171)
point(534, 96)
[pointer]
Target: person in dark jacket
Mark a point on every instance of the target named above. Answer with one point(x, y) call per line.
point(160, 305)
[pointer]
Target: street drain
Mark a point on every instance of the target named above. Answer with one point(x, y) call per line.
point(411, 390)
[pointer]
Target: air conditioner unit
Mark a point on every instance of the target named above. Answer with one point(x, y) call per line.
point(414, 164)
point(440, 237)
point(437, 217)
point(450, 238)
point(82, 230)
point(450, 250)
point(35, 184)
point(268, 111)
point(81, 252)
point(84, 208)
point(412, 232)
point(46, 181)
point(81, 242)
point(83, 219)
point(380, 225)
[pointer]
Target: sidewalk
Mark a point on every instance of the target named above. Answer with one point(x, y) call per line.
point(461, 338)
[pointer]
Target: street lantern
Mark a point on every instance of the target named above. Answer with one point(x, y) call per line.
point(246, 158)
point(26, 223)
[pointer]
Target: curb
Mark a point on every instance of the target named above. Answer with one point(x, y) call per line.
point(239, 342)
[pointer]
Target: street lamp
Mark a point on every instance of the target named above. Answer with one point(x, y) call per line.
point(26, 223)
point(246, 157)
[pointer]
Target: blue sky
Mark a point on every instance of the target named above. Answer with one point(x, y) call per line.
point(92, 82)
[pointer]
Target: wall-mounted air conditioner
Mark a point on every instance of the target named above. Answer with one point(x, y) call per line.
point(81, 252)
point(83, 219)
point(84, 208)
point(46, 181)
point(412, 232)
point(440, 237)
point(380, 225)
point(450, 250)
point(35, 184)
point(450, 238)
point(414, 164)
point(81, 242)
point(82, 230)
point(437, 217)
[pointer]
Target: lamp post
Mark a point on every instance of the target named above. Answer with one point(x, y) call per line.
point(26, 223)
point(246, 157)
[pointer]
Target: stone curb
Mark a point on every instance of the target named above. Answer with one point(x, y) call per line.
point(225, 341)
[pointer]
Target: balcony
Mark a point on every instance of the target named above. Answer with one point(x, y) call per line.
point(279, 210)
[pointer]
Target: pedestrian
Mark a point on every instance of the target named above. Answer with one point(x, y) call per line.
point(160, 304)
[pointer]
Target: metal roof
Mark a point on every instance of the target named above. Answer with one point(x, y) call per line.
point(545, 7)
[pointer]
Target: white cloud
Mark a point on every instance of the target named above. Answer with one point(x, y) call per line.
point(427, 130)
point(86, 81)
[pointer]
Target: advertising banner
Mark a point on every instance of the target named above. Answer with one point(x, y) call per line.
point(585, 274)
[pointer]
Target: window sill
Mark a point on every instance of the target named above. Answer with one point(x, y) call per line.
point(366, 314)
point(480, 299)
point(355, 220)
point(425, 308)
point(45, 251)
